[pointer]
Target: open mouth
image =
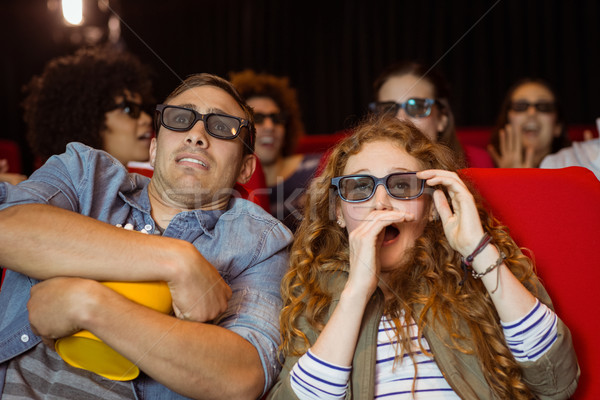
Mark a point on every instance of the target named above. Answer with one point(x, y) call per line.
point(266, 140)
point(145, 136)
point(391, 233)
point(530, 129)
point(192, 160)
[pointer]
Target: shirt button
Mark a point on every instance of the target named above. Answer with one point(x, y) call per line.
point(148, 227)
point(24, 338)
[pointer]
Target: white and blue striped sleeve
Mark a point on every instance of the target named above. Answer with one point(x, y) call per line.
point(531, 336)
point(313, 378)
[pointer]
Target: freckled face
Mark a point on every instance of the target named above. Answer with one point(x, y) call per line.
point(379, 159)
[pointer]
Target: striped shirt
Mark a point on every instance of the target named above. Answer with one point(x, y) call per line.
point(313, 378)
point(40, 373)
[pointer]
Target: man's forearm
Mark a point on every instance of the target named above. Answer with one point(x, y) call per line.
point(195, 359)
point(42, 241)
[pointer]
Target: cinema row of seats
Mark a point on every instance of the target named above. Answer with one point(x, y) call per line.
point(555, 216)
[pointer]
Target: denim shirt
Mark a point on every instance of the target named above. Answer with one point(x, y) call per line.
point(246, 245)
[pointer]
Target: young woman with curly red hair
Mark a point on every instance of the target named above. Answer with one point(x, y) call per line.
point(402, 286)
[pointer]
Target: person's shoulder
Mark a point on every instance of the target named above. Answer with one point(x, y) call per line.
point(589, 149)
point(311, 160)
point(83, 160)
point(242, 207)
point(560, 159)
point(304, 165)
point(584, 154)
point(81, 150)
point(254, 218)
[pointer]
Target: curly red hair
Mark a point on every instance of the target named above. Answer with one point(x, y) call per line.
point(430, 281)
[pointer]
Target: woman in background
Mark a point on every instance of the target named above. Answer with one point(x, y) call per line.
point(530, 126)
point(413, 91)
point(99, 96)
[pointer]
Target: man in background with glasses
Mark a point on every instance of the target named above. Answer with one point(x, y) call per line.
point(223, 340)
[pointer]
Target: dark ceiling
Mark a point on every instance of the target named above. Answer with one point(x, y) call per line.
point(333, 50)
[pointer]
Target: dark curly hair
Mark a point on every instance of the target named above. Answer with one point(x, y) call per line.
point(251, 84)
point(69, 100)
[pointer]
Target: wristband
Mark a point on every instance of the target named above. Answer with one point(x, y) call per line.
point(499, 261)
point(485, 240)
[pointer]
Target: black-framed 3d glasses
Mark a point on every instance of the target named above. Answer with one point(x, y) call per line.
point(541, 106)
point(399, 185)
point(181, 119)
point(414, 107)
point(276, 118)
point(133, 109)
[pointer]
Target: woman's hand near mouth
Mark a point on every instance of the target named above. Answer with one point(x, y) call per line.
point(365, 243)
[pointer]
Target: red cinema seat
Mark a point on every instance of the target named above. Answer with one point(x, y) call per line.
point(319, 143)
point(256, 188)
point(556, 214)
point(10, 151)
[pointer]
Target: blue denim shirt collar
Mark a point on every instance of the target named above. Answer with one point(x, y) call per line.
point(140, 200)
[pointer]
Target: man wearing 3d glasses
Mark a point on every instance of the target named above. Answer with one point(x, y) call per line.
point(222, 341)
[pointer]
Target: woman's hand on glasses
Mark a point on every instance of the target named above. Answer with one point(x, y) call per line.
point(461, 223)
point(511, 153)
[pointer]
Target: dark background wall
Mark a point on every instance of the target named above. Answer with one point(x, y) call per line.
point(333, 50)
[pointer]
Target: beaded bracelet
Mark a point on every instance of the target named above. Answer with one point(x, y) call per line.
point(468, 261)
point(499, 261)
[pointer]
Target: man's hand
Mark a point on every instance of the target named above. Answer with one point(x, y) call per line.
point(198, 290)
point(57, 305)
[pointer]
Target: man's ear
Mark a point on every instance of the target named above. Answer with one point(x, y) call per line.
point(152, 151)
point(248, 167)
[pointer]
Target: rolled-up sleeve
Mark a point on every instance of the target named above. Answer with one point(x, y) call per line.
point(556, 373)
point(254, 308)
point(80, 176)
point(56, 182)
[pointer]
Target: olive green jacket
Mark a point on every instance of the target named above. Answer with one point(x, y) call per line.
point(553, 376)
